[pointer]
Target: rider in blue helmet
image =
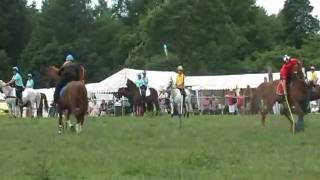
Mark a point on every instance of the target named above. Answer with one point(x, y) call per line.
point(69, 59)
point(69, 71)
point(18, 83)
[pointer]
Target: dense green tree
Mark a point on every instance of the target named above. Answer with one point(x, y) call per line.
point(298, 22)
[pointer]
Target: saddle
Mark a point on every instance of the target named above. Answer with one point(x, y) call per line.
point(280, 89)
point(62, 91)
point(146, 93)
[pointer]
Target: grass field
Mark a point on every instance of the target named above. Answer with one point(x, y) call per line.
point(207, 147)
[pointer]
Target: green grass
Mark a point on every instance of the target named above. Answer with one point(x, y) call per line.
point(207, 147)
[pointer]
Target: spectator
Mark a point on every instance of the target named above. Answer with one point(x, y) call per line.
point(232, 101)
point(206, 105)
point(103, 108)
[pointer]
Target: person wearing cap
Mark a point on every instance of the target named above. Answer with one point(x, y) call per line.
point(139, 81)
point(286, 71)
point(18, 83)
point(180, 82)
point(314, 76)
point(70, 71)
point(30, 82)
point(145, 79)
point(145, 84)
point(69, 60)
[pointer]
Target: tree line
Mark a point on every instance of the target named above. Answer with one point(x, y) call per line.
point(207, 37)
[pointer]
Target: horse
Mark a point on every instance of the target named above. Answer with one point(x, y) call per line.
point(266, 95)
point(176, 101)
point(137, 102)
point(30, 98)
point(73, 99)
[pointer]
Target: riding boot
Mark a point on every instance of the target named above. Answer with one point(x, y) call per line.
point(58, 88)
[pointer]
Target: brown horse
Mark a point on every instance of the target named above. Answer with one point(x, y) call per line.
point(73, 100)
point(132, 92)
point(298, 95)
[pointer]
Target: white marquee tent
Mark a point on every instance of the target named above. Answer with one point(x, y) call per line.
point(160, 79)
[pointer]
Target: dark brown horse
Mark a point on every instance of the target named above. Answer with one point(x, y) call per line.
point(266, 95)
point(132, 92)
point(73, 100)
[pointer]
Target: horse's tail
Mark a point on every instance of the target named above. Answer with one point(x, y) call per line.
point(44, 101)
point(254, 104)
point(81, 103)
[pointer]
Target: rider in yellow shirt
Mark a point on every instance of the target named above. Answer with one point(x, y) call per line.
point(180, 82)
point(314, 75)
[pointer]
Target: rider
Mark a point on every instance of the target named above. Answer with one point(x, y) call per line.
point(145, 83)
point(139, 81)
point(314, 75)
point(286, 71)
point(180, 82)
point(30, 82)
point(18, 83)
point(69, 71)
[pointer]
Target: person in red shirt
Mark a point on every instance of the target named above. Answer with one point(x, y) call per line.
point(286, 71)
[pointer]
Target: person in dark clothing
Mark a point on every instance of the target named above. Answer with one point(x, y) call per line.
point(70, 71)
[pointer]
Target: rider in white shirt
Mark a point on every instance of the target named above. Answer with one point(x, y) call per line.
point(30, 82)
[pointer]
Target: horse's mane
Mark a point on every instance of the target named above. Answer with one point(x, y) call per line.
point(131, 84)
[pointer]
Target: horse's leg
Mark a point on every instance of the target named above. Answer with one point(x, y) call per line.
point(156, 104)
point(78, 125)
point(172, 108)
point(60, 126)
point(286, 113)
point(263, 112)
point(299, 126)
point(21, 111)
point(68, 123)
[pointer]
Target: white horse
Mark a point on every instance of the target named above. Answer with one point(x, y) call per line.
point(28, 96)
point(176, 100)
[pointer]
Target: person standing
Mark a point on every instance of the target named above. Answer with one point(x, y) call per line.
point(314, 75)
point(18, 83)
point(180, 82)
point(30, 82)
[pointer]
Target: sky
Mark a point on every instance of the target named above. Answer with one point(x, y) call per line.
point(271, 6)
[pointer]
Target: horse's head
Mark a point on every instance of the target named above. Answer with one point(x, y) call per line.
point(2, 84)
point(131, 85)
point(53, 73)
point(170, 84)
point(122, 92)
point(297, 72)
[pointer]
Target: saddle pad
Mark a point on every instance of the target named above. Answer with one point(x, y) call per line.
point(63, 91)
point(280, 89)
point(148, 93)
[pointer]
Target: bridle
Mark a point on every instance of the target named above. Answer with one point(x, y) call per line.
point(7, 97)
